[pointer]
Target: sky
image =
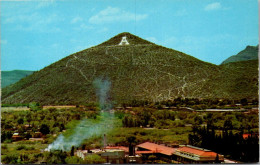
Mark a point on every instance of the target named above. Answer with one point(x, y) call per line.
point(35, 34)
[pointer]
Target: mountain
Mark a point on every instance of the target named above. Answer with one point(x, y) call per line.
point(10, 77)
point(141, 70)
point(249, 53)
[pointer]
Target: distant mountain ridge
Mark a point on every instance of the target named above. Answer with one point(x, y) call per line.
point(139, 71)
point(249, 53)
point(10, 77)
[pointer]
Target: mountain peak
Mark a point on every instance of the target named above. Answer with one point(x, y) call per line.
point(130, 38)
point(249, 53)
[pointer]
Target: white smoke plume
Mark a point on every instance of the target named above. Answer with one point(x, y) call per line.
point(88, 128)
point(102, 89)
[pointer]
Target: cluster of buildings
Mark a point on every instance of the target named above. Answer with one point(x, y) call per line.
point(149, 152)
point(29, 134)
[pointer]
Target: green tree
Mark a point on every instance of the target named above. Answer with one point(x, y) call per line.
point(73, 160)
point(56, 157)
point(20, 121)
point(29, 118)
point(72, 151)
point(244, 101)
point(152, 158)
point(198, 120)
point(10, 159)
point(34, 106)
point(93, 159)
point(228, 125)
point(45, 129)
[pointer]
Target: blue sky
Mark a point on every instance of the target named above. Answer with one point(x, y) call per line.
point(35, 34)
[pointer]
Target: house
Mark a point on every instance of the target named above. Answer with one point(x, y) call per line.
point(111, 155)
point(145, 151)
point(191, 154)
point(37, 135)
point(16, 137)
point(247, 135)
point(160, 151)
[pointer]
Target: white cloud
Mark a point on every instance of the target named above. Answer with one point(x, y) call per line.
point(213, 6)
point(113, 14)
point(34, 22)
point(76, 20)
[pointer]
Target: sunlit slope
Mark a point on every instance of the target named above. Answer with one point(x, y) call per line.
point(141, 70)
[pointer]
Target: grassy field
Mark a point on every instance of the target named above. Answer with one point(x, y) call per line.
point(8, 109)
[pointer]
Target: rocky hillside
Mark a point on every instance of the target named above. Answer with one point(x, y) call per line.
point(249, 53)
point(141, 70)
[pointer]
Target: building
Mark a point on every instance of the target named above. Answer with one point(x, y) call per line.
point(145, 152)
point(37, 135)
point(59, 106)
point(160, 151)
point(124, 41)
point(16, 137)
point(247, 135)
point(114, 156)
point(191, 154)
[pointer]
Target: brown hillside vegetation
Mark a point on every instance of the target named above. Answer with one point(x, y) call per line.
point(141, 70)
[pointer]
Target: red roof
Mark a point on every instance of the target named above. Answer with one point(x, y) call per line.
point(245, 135)
point(199, 152)
point(155, 148)
point(144, 152)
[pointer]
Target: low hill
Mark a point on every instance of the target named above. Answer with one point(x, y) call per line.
point(141, 70)
point(249, 53)
point(10, 77)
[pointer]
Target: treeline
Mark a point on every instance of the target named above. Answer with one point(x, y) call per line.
point(149, 118)
point(194, 103)
point(231, 145)
point(50, 121)
point(53, 157)
point(166, 118)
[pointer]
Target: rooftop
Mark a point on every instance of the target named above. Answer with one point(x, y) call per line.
point(197, 151)
point(156, 148)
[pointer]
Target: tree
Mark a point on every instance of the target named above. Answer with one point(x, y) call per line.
point(72, 151)
point(28, 136)
point(244, 101)
point(228, 125)
point(73, 160)
point(45, 129)
point(34, 106)
point(56, 157)
point(152, 158)
point(198, 120)
point(93, 159)
point(20, 121)
point(131, 141)
point(29, 118)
